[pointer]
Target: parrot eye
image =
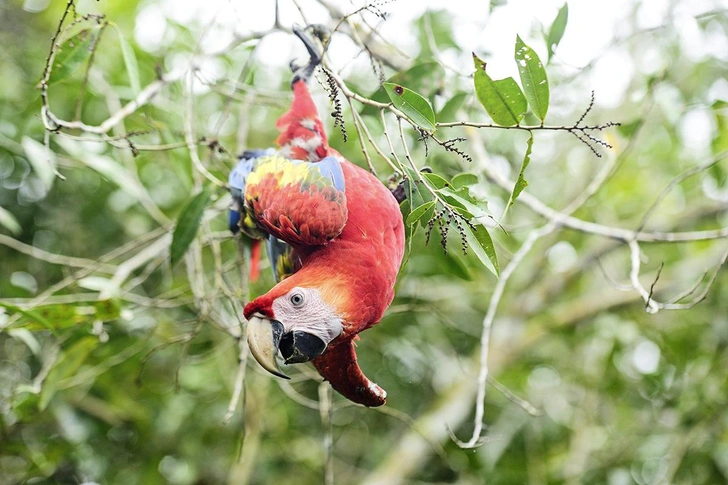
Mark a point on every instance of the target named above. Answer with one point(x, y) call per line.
point(297, 299)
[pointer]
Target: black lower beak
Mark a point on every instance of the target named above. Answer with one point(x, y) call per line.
point(297, 347)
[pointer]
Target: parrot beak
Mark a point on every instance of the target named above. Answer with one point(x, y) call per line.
point(319, 32)
point(266, 337)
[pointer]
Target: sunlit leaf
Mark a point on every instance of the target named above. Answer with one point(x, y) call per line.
point(73, 53)
point(521, 183)
point(502, 99)
point(533, 78)
point(481, 244)
point(416, 107)
point(420, 211)
point(188, 223)
point(556, 32)
point(9, 222)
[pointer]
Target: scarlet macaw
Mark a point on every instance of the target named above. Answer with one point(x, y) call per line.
point(336, 238)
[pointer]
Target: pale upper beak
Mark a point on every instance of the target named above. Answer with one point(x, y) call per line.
point(266, 336)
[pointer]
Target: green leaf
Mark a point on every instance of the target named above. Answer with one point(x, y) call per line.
point(73, 53)
point(31, 315)
point(67, 364)
point(427, 78)
point(556, 32)
point(451, 108)
point(482, 245)
point(533, 78)
point(130, 61)
point(188, 223)
point(436, 181)
point(502, 99)
point(417, 214)
point(416, 107)
point(9, 222)
point(464, 180)
point(521, 183)
point(417, 194)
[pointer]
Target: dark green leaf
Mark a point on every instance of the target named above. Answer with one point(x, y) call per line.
point(67, 364)
point(482, 245)
point(416, 107)
point(188, 223)
point(533, 78)
point(556, 32)
point(502, 99)
point(521, 182)
point(73, 53)
point(464, 180)
point(417, 214)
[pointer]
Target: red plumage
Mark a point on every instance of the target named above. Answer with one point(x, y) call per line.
point(355, 272)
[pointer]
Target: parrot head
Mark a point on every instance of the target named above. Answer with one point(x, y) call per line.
point(299, 318)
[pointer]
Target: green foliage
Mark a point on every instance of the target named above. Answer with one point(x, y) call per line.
point(521, 182)
point(556, 32)
point(74, 52)
point(413, 105)
point(188, 223)
point(533, 78)
point(502, 99)
point(136, 388)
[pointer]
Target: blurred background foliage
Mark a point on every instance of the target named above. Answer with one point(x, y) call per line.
point(117, 377)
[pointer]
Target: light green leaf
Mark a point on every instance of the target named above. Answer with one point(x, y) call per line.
point(416, 107)
point(502, 99)
point(30, 314)
point(556, 32)
point(73, 53)
point(417, 214)
point(464, 180)
point(67, 364)
point(533, 78)
point(436, 181)
point(130, 61)
point(521, 183)
point(188, 223)
point(42, 159)
point(9, 222)
point(482, 245)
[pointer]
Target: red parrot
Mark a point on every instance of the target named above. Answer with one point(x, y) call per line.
point(336, 237)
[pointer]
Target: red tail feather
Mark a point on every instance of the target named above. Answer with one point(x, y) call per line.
point(254, 260)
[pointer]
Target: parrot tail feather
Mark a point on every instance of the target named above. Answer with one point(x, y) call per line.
point(338, 365)
point(254, 260)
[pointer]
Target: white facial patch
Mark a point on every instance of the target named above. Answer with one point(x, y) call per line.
point(303, 309)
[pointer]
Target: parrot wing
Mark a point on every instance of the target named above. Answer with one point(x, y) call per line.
point(300, 203)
